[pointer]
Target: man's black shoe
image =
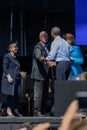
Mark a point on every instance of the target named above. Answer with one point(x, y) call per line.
point(49, 114)
point(39, 114)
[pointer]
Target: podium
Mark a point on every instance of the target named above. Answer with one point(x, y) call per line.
point(65, 93)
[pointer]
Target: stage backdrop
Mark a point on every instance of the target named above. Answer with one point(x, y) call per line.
point(81, 22)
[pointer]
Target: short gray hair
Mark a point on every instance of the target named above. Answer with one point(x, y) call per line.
point(56, 31)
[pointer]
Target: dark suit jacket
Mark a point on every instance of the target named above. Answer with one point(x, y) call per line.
point(10, 66)
point(39, 69)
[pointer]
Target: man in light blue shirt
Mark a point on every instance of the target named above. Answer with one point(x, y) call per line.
point(60, 52)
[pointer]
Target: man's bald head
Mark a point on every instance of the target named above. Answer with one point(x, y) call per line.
point(43, 33)
point(43, 36)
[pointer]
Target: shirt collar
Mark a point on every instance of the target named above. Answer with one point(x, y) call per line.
point(57, 37)
point(12, 55)
point(42, 44)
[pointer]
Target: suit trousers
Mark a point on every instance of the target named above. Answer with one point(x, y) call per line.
point(40, 95)
point(62, 70)
point(62, 73)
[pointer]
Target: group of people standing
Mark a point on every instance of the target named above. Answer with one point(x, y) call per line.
point(63, 54)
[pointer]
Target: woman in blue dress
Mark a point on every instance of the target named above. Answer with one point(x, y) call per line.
point(76, 58)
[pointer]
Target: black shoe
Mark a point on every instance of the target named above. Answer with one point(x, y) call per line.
point(49, 114)
point(39, 114)
point(17, 113)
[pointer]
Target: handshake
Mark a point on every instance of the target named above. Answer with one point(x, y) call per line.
point(50, 63)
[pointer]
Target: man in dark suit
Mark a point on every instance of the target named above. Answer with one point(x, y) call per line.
point(40, 74)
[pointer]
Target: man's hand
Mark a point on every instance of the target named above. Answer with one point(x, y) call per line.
point(52, 63)
point(42, 126)
point(43, 58)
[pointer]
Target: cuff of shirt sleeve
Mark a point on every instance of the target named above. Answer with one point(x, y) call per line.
point(8, 76)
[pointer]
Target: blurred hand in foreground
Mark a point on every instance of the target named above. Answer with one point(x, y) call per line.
point(42, 126)
point(70, 114)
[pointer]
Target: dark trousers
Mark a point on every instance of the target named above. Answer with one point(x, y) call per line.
point(62, 70)
point(14, 100)
point(62, 73)
point(40, 95)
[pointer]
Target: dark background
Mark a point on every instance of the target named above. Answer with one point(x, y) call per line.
point(35, 16)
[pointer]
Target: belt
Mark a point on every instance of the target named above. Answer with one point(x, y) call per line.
point(63, 61)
